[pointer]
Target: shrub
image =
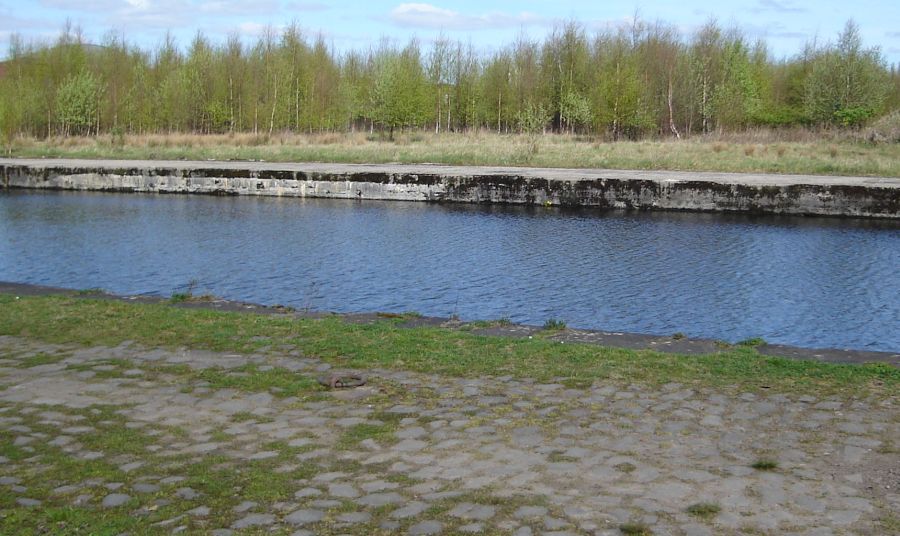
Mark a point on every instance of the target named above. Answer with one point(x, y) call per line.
point(886, 129)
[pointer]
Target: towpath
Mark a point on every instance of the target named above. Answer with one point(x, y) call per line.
point(152, 441)
point(750, 179)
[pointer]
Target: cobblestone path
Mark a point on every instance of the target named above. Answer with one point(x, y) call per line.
point(194, 442)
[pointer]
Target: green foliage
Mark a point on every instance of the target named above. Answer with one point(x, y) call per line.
point(575, 110)
point(77, 101)
point(646, 80)
point(705, 67)
point(399, 95)
point(217, 116)
point(565, 69)
point(780, 116)
point(8, 124)
point(853, 117)
point(847, 84)
point(620, 101)
point(736, 99)
point(887, 128)
point(532, 121)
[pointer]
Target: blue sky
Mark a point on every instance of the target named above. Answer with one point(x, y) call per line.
point(785, 24)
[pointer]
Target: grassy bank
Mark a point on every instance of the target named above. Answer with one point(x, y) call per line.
point(386, 344)
point(747, 153)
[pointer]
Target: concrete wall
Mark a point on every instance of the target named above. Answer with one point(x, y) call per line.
point(858, 197)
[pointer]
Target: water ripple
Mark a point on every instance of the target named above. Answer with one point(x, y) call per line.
point(804, 281)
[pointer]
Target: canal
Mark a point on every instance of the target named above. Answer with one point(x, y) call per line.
point(816, 282)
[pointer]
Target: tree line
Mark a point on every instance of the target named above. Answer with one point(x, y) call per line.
point(643, 80)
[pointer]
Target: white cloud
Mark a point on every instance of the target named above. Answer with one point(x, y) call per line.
point(774, 30)
point(215, 7)
point(777, 6)
point(252, 29)
point(10, 23)
point(237, 7)
point(610, 25)
point(306, 6)
point(161, 14)
point(416, 15)
point(83, 5)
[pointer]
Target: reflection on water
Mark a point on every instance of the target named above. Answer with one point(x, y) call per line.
point(803, 281)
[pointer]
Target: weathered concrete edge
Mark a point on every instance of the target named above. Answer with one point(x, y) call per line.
point(634, 341)
point(592, 188)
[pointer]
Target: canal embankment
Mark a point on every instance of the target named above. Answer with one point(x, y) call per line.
point(504, 329)
point(866, 197)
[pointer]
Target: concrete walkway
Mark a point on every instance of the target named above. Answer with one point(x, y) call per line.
point(750, 179)
point(493, 455)
point(868, 197)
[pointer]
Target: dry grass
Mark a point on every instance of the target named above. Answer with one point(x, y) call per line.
point(755, 152)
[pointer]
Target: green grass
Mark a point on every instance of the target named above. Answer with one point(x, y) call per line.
point(560, 457)
point(111, 368)
point(553, 324)
point(87, 292)
point(70, 520)
point(356, 434)
point(41, 468)
point(384, 344)
point(635, 529)
point(890, 524)
point(577, 383)
point(54, 468)
point(39, 359)
point(704, 510)
point(245, 416)
point(742, 154)
point(626, 467)
point(180, 297)
point(765, 464)
point(281, 382)
point(486, 324)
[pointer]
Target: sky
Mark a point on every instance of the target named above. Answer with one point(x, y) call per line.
point(786, 25)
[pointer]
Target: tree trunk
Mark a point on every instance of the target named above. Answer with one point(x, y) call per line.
point(437, 124)
point(672, 126)
point(274, 105)
point(231, 100)
point(704, 110)
point(499, 109)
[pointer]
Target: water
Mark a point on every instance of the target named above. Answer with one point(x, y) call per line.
point(803, 281)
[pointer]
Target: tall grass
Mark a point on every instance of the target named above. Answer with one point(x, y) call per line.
point(754, 151)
